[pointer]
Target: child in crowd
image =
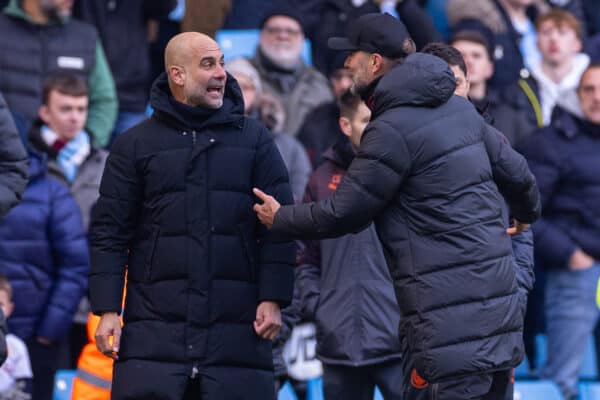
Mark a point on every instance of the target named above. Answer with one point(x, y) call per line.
point(15, 373)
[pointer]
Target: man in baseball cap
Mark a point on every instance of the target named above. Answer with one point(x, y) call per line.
point(431, 174)
point(376, 43)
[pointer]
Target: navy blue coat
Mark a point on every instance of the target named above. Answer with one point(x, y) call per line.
point(429, 172)
point(44, 254)
point(564, 159)
point(175, 206)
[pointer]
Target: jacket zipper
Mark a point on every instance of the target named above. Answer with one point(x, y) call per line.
point(193, 138)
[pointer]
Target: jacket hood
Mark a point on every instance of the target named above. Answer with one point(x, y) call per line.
point(182, 116)
point(422, 80)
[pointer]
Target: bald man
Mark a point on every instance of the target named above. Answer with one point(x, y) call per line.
point(205, 281)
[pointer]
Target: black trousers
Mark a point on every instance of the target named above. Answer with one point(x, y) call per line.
point(44, 363)
point(143, 380)
point(358, 383)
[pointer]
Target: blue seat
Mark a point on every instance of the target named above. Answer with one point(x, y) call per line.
point(378, 395)
point(63, 384)
point(536, 390)
point(589, 391)
point(314, 389)
point(243, 42)
point(286, 393)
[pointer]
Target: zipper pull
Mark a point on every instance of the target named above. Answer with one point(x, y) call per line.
point(194, 371)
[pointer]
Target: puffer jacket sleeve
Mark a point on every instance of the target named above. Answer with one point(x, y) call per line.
point(513, 177)
point(522, 247)
point(276, 253)
point(372, 180)
point(71, 262)
point(13, 161)
point(113, 225)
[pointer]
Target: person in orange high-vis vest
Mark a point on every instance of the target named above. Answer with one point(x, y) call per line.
point(94, 369)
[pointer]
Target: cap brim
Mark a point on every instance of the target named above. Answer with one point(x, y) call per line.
point(341, 43)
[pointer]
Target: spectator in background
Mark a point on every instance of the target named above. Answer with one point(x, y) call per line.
point(505, 115)
point(564, 159)
point(321, 128)
point(270, 112)
point(123, 30)
point(335, 16)
point(13, 161)
point(345, 286)
point(38, 38)
point(15, 372)
point(73, 158)
point(44, 253)
point(278, 60)
point(559, 70)
point(509, 24)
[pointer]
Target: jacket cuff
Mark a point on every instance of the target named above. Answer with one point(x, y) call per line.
point(276, 283)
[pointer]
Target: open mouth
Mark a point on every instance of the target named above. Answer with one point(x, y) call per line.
point(216, 90)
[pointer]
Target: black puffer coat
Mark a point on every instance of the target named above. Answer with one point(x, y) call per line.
point(429, 171)
point(176, 207)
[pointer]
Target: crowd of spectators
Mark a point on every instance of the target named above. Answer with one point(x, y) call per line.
point(76, 74)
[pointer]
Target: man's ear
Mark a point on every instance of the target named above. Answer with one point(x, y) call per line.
point(177, 74)
point(345, 126)
point(376, 63)
point(43, 113)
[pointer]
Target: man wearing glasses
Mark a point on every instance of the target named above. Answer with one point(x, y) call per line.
point(282, 71)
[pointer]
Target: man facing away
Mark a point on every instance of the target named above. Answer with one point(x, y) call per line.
point(345, 286)
point(430, 172)
point(205, 281)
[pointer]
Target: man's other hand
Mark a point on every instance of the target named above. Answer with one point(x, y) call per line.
point(268, 320)
point(580, 260)
point(109, 326)
point(266, 211)
point(517, 227)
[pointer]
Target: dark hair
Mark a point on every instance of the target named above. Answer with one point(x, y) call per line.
point(6, 286)
point(64, 83)
point(474, 37)
point(447, 53)
point(560, 18)
point(593, 65)
point(349, 103)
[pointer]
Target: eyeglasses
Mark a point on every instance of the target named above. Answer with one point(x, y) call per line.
point(276, 30)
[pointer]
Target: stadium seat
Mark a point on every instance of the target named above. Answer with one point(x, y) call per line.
point(243, 42)
point(286, 393)
point(314, 389)
point(63, 383)
point(589, 391)
point(536, 390)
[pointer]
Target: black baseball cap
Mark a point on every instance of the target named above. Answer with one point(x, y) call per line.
point(373, 33)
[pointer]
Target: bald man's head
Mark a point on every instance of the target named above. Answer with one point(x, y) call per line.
point(194, 66)
point(181, 46)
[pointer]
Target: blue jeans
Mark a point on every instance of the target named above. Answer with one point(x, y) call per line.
point(571, 315)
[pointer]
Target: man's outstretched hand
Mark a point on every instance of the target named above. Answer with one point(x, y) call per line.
point(267, 210)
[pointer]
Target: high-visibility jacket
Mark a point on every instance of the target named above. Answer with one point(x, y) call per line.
point(94, 369)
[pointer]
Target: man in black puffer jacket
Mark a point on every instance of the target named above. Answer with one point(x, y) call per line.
point(430, 173)
point(205, 281)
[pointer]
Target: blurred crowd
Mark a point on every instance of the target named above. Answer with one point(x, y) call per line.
point(76, 74)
